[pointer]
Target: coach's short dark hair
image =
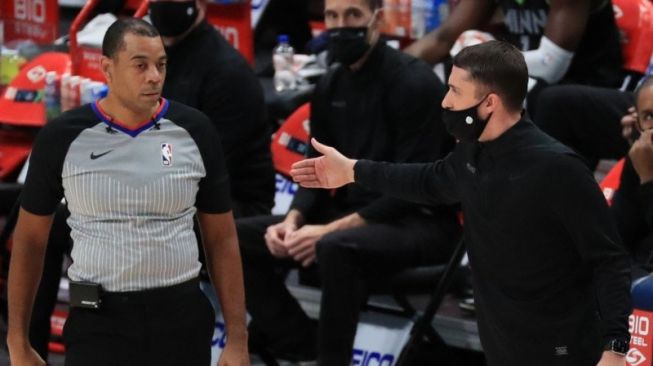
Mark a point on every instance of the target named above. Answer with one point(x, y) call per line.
point(114, 38)
point(500, 67)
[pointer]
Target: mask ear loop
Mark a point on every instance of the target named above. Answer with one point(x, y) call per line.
point(375, 16)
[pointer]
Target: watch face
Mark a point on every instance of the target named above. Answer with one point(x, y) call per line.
point(618, 346)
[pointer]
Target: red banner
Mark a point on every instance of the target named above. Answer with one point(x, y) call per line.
point(87, 62)
point(36, 20)
point(234, 21)
point(641, 339)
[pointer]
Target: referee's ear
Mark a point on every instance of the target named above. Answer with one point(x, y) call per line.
point(105, 65)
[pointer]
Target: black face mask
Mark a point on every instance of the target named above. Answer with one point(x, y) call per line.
point(465, 124)
point(172, 19)
point(347, 44)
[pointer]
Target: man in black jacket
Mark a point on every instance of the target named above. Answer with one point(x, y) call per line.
point(207, 73)
point(377, 103)
point(632, 206)
point(551, 277)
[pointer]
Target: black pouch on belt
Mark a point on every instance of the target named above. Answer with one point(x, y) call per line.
point(85, 294)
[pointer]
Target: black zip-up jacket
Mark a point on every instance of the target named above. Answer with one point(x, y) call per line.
point(551, 277)
point(205, 72)
point(387, 110)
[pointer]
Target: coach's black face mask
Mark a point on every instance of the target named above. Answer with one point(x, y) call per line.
point(173, 18)
point(465, 124)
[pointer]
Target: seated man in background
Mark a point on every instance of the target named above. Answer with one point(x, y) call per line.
point(207, 73)
point(572, 40)
point(377, 103)
point(632, 206)
point(586, 119)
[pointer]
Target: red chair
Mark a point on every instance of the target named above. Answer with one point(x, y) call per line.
point(290, 142)
point(610, 182)
point(635, 21)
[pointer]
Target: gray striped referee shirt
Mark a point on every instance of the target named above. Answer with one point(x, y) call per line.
point(132, 193)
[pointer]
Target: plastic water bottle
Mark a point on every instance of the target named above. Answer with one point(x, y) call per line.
point(52, 95)
point(90, 91)
point(65, 92)
point(427, 15)
point(282, 59)
point(74, 94)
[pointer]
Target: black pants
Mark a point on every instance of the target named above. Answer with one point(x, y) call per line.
point(349, 261)
point(59, 244)
point(166, 326)
point(585, 118)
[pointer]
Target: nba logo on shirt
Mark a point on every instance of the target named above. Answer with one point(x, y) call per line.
point(166, 154)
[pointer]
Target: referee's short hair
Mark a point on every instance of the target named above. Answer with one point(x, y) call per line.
point(114, 37)
point(500, 68)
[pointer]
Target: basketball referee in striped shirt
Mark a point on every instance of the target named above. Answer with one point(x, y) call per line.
point(134, 169)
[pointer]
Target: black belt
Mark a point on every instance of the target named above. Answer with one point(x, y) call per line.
point(150, 295)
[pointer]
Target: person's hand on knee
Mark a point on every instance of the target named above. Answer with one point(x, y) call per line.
point(275, 236)
point(301, 243)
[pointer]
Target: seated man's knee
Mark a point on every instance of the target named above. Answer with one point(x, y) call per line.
point(334, 247)
point(251, 236)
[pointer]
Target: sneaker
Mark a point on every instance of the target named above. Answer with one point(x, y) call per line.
point(467, 304)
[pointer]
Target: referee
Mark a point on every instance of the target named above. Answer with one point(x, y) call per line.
point(134, 169)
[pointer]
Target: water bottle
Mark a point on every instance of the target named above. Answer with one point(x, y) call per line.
point(74, 94)
point(99, 90)
point(64, 92)
point(282, 59)
point(52, 95)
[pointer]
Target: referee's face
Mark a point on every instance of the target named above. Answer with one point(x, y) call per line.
point(137, 72)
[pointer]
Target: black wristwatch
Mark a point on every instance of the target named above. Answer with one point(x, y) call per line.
point(618, 346)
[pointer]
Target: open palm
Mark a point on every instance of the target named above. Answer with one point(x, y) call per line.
point(331, 170)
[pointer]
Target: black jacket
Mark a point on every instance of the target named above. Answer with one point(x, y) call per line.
point(551, 277)
point(388, 110)
point(205, 72)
